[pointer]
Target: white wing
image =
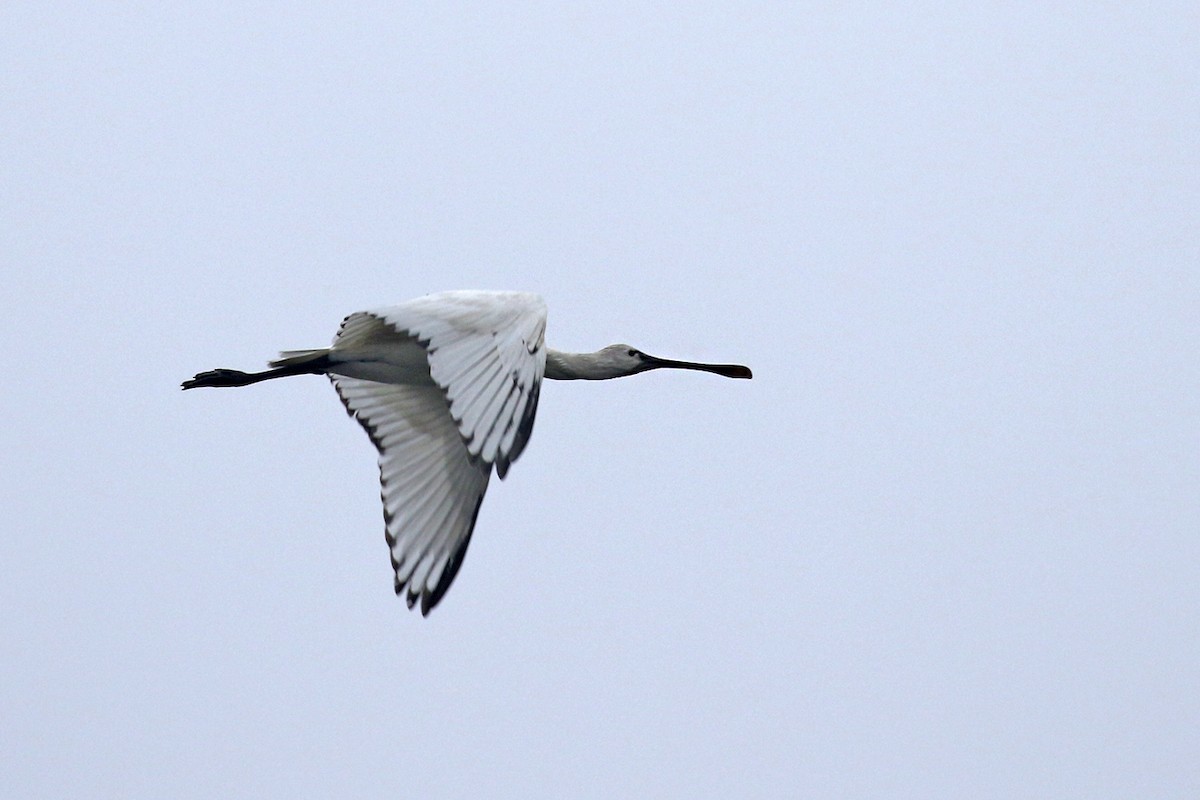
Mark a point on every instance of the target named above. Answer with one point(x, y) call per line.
point(440, 431)
point(486, 350)
point(431, 488)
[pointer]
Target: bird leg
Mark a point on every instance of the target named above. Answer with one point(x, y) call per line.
point(234, 377)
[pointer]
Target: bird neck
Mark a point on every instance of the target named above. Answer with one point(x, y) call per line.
point(562, 366)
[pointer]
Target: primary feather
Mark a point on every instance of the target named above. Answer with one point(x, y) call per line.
point(483, 356)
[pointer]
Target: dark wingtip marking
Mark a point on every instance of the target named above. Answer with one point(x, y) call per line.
point(524, 429)
point(430, 599)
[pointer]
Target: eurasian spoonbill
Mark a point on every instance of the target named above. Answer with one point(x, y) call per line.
point(447, 387)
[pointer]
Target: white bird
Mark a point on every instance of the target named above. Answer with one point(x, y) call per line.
point(447, 387)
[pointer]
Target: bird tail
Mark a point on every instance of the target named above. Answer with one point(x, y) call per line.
point(301, 358)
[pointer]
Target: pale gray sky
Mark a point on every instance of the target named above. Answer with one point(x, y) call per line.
point(945, 545)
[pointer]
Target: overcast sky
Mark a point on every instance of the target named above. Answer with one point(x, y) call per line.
point(945, 544)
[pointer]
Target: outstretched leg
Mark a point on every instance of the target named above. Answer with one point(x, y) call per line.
point(234, 377)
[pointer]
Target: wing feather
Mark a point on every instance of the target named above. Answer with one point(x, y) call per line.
point(439, 427)
point(486, 351)
point(431, 489)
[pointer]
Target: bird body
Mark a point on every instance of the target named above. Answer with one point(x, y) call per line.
point(447, 388)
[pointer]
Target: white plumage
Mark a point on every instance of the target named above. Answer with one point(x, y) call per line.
point(446, 387)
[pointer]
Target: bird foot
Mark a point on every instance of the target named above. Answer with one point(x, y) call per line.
point(217, 377)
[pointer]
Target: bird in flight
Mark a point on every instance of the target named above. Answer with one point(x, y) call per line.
point(446, 387)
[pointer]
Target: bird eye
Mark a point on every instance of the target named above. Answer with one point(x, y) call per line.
point(633, 353)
